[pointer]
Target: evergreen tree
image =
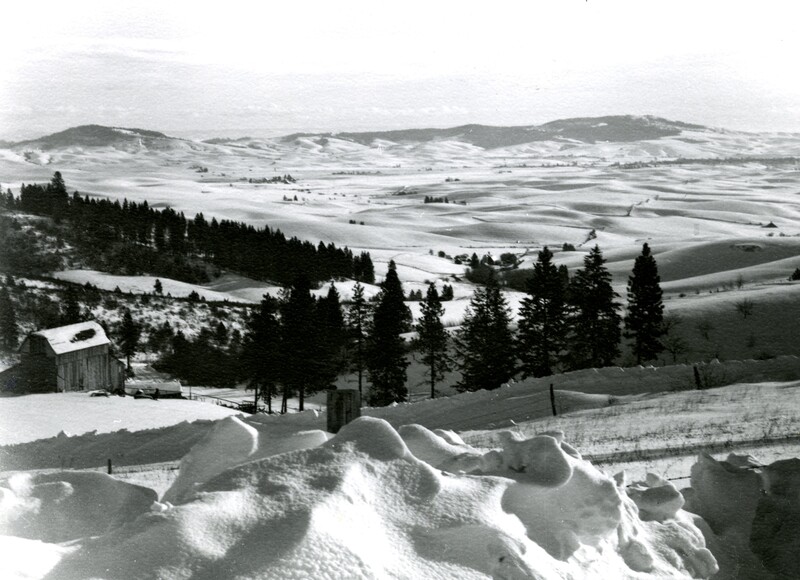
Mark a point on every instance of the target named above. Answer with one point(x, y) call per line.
point(447, 293)
point(221, 334)
point(595, 322)
point(157, 287)
point(432, 339)
point(363, 269)
point(9, 332)
point(358, 320)
point(386, 360)
point(57, 185)
point(178, 359)
point(129, 333)
point(300, 346)
point(331, 337)
point(159, 339)
point(58, 197)
point(261, 352)
point(645, 317)
point(543, 318)
point(485, 344)
point(71, 310)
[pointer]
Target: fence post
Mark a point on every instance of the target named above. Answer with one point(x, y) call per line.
point(553, 399)
point(344, 405)
point(697, 383)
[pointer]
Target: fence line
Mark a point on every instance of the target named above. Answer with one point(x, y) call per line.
point(668, 452)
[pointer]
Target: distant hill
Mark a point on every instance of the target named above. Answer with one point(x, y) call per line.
point(93, 136)
point(620, 128)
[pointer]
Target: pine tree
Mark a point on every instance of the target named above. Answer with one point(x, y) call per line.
point(160, 337)
point(71, 310)
point(543, 319)
point(485, 344)
point(157, 287)
point(300, 344)
point(447, 293)
point(261, 353)
point(363, 269)
point(432, 339)
point(358, 320)
point(221, 334)
point(595, 322)
point(129, 333)
point(57, 185)
point(386, 360)
point(58, 197)
point(645, 317)
point(9, 332)
point(332, 338)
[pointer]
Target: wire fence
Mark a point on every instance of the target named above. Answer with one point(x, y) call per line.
point(550, 403)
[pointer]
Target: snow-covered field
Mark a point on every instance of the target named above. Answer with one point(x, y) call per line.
point(33, 417)
point(517, 200)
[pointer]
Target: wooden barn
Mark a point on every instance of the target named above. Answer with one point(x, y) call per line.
point(67, 358)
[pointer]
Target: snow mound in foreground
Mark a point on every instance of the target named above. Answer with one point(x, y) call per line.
point(64, 506)
point(230, 443)
point(751, 519)
point(364, 505)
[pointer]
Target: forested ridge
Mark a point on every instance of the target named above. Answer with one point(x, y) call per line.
point(133, 238)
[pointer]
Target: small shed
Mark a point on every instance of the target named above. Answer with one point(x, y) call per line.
point(167, 388)
point(76, 357)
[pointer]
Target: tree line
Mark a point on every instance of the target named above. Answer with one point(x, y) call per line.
point(564, 323)
point(296, 345)
point(136, 238)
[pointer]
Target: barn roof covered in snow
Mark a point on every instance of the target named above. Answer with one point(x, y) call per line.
point(74, 337)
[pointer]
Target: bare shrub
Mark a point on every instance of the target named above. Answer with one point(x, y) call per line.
point(745, 307)
point(705, 328)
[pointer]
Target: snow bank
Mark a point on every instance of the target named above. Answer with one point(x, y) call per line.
point(365, 505)
point(632, 380)
point(752, 514)
point(31, 558)
point(232, 442)
point(67, 505)
point(229, 443)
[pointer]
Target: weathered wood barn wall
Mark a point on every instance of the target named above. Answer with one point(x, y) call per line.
point(69, 358)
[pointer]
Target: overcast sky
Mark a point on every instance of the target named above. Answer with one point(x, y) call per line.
point(261, 68)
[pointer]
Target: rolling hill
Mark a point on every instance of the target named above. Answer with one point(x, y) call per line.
point(92, 136)
point(623, 128)
point(619, 128)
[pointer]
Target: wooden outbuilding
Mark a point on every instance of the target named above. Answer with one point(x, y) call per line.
point(68, 358)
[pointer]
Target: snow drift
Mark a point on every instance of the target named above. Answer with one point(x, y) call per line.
point(751, 520)
point(365, 504)
point(68, 505)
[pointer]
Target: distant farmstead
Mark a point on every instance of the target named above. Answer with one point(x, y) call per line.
point(67, 358)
